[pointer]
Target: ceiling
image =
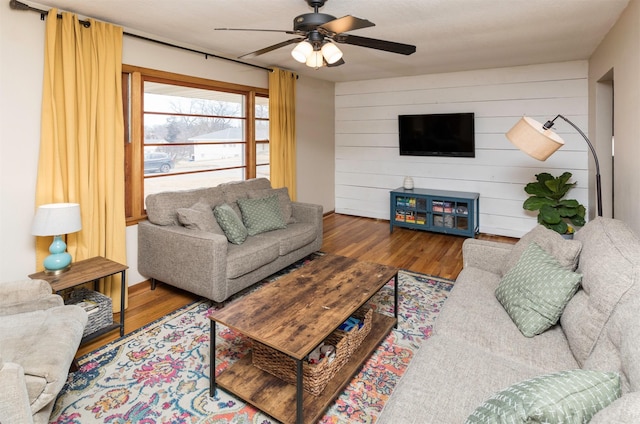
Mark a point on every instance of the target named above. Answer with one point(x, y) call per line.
point(450, 35)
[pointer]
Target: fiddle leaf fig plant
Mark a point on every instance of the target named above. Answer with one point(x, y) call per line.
point(547, 197)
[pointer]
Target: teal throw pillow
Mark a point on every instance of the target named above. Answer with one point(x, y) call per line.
point(535, 291)
point(261, 215)
point(566, 397)
point(230, 223)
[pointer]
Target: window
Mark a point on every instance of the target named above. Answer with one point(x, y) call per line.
point(188, 132)
point(262, 136)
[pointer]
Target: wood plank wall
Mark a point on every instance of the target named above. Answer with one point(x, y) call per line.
point(368, 163)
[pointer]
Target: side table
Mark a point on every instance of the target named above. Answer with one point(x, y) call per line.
point(83, 272)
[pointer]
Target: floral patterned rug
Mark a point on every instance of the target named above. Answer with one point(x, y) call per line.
point(160, 373)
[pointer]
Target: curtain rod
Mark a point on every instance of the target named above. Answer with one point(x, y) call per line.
point(17, 5)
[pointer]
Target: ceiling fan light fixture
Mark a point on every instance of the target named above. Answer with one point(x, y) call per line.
point(302, 51)
point(331, 53)
point(315, 59)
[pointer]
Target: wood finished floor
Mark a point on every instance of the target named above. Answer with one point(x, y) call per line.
point(356, 237)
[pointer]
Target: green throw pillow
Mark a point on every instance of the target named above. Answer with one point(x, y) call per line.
point(230, 223)
point(565, 397)
point(535, 291)
point(261, 215)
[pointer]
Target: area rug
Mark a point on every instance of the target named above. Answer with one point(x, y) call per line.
point(159, 374)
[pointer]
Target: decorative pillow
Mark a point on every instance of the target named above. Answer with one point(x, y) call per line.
point(565, 251)
point(283, 199)
point(230, 223)
point(566, 397)
point(261, 215)
point(535, 291)
point(199, 217)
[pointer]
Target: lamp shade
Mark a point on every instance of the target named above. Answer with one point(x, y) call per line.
point(331, 53)
point(301, 51)
point(56, 219)
point(530, 136)
point(315, 59)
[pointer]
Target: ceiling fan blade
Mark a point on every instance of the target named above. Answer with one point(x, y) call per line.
point(372, 43)
point(344, 24)
point(261, 30)
point(270, 48)
point(331, 65)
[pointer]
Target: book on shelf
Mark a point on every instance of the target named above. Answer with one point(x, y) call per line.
point(410, 217)
point(406, 202)
point(400, 215)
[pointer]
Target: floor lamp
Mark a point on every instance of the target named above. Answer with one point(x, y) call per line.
point(539, 142)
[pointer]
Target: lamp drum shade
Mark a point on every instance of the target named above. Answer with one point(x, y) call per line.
point(56, 219)
point(530, 136)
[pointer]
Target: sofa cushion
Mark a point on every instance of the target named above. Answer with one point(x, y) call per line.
point(162, 207)
point(448, 378)
point(199, 217)
point(261, 215)
point(232, 191)
point(572, 396)
point(473, 314)
point(565, 251)
point(230, 223)
point(251, 255)
point(622, 410)
point(535, 291)
point(283, 199)
point(293, 237)
point(610, 268)
point(58, 330)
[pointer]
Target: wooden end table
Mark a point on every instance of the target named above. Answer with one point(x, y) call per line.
point(86, 271)
point(293, 315)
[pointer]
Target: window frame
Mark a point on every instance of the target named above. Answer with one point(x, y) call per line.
point(133, 78)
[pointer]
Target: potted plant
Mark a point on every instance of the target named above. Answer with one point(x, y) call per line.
point(556, 213)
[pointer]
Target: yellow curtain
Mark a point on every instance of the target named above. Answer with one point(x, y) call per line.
point(282, 129)
point(82, 138)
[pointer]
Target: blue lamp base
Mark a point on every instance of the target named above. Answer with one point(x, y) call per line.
point(59, 260)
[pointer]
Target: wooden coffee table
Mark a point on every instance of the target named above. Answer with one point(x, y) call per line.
point(293, 315)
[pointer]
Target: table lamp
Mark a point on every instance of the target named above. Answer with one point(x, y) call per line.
point(539, 142)
point(57, 219)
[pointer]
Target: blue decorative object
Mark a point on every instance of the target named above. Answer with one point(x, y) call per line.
point(350, 324)
point(59, 259)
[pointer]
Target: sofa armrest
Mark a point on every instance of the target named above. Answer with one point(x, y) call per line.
point(306, 212)
point(623, 410)
point(192, 260)
point(485, 254)
point(25, 296)
point(14, 399)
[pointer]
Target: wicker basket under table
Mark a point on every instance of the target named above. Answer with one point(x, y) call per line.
point(97, 320)
point(315, 376)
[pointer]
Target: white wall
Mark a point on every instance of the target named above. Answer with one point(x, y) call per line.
point(618, 57)
point(22, 51)
point(368, 163)
point(316, 147)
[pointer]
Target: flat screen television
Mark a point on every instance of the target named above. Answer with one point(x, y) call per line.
point(442, 134)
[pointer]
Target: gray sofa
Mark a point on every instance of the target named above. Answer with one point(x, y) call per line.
point(476, 350)
point(182, 245)
point(39, 337)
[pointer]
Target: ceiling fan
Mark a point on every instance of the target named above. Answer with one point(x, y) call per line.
point(317, 35)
